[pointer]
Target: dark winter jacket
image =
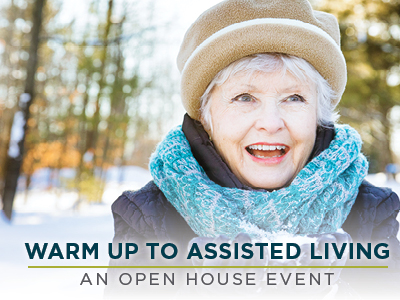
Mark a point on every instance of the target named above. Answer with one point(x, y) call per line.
point(147, 216)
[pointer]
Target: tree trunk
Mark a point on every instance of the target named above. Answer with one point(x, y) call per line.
point(19, 127)
point(388, 156)
point(6, 115)
point(93, 133)
point(116, 99)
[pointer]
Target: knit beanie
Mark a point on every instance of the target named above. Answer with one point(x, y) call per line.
point(233, 29)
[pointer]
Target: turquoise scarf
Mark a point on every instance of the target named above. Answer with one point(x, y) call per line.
point(317, 201)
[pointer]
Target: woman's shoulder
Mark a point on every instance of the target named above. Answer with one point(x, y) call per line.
point(377, 194)
point(373, 215)
point(141, 200)
point(136, 212)
point(382, 201)
point(145, 213)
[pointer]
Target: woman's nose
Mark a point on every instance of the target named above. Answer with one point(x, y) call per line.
point(269, 118)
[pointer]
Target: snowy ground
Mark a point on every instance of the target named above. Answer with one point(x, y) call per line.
point(48, 216)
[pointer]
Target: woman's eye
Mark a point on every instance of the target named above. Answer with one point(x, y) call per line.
point(243, 98)
point(295, 98)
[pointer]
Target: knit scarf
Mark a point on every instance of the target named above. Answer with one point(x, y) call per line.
point(318, 200)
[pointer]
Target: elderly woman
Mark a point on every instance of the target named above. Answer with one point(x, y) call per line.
point(259, 151)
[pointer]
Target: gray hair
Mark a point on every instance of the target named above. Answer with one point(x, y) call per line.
point(270, 63)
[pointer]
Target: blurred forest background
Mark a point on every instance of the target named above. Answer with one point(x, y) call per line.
point(81, 97)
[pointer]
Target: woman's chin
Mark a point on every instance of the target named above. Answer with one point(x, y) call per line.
point(267, 173)
point(274, 180)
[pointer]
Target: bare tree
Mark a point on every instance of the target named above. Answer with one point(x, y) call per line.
point(19, 127)
point(93, 134)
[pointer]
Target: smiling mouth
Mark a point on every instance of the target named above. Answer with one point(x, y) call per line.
point(267, 151)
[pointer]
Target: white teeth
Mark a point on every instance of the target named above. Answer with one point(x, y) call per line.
point(266, 147)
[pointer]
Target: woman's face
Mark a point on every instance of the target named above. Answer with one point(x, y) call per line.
point(264, 126)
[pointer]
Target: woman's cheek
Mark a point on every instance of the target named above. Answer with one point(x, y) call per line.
point(229, 121)
point(301, 117)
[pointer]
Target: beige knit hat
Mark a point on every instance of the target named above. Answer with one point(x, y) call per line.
point(234, 29)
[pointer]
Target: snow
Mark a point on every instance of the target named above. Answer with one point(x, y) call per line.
point(17, 129)
point(48, 216)
point(17, 134)
point(23, 99)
